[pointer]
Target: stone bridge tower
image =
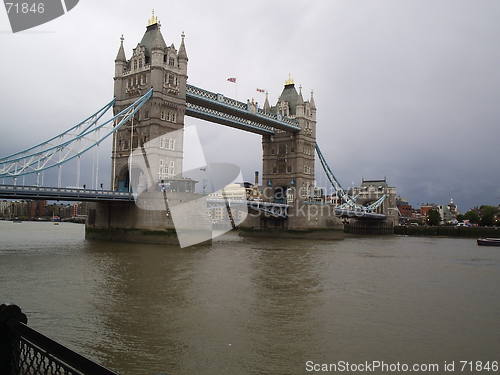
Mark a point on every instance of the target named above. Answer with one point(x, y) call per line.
point(288, 158)
point(155, 65)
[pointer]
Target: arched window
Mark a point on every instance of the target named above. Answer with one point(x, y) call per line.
point(140, 63)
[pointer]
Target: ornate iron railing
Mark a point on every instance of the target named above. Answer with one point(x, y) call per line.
point(24, 351)
point(219, 101)
point(227, 119)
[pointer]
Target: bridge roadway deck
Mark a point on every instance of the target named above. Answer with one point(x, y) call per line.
point(92, 195)
point(218, 108)
point(62, 194)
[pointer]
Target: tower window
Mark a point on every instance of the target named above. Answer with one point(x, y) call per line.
point(171, 61)
point(140, 63)
point(171, 169)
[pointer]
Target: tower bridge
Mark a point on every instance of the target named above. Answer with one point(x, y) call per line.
point(151, 99)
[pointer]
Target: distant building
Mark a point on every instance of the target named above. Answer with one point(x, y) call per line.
point(424, 209)
point(371, 190)
point(37, 209)
point(404, 207)
point(235, 192)
point(64, 211)
point(79, 209)
point(406, 211)
point(5, 209)
point(448, 213)
point(21, 209)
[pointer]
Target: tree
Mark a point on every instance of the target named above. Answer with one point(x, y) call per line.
point(488, 214)
point(460, 217)
point(433, 217)
point(472, 216)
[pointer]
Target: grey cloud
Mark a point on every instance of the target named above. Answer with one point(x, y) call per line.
point(404, 89)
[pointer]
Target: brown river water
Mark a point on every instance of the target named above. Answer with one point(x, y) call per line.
point(254, 306)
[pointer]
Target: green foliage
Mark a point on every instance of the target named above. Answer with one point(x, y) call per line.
point(488, 214)
point(472, 216)
point(460, 217)
point(433, 217)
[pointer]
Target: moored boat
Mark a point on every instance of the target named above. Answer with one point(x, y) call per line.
point(488, 241)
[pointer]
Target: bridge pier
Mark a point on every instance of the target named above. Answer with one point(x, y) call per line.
point(305, 220)
point(124, 221)
point(147, 220)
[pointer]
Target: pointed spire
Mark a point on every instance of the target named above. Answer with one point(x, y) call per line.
point(153, 20)
point(311, 101)
point(182, 48)
point(267, 107)
point(158, 41)
point(289, 81)
point(121, 52)
point(300, 101)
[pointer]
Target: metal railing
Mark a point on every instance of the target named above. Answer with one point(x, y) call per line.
point(199, 96)
point(24, 351)
point(55, 193)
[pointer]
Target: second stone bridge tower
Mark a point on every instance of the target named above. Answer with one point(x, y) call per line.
point(288, 158)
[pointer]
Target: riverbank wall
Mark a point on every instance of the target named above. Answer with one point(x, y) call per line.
point(413, 230)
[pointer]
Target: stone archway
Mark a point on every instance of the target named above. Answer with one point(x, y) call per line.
point(123, 179)
point(280, 194)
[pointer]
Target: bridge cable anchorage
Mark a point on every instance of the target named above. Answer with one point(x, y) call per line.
point(349, 203)
point(67, 146)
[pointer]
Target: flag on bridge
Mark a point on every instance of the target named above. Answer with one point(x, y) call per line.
point(232, 79)
point(261, 90)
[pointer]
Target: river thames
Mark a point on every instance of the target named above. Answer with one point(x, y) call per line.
point(254, 306)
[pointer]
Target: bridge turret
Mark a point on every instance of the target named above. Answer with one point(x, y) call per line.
point(183, 61)
point(288, 158)
point(300, 108)
point(182, 51)
point(312, 106)
point(153, 64)
point(267, 107)
point(120, 66)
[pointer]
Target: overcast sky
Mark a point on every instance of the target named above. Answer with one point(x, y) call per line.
point(408, 89)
